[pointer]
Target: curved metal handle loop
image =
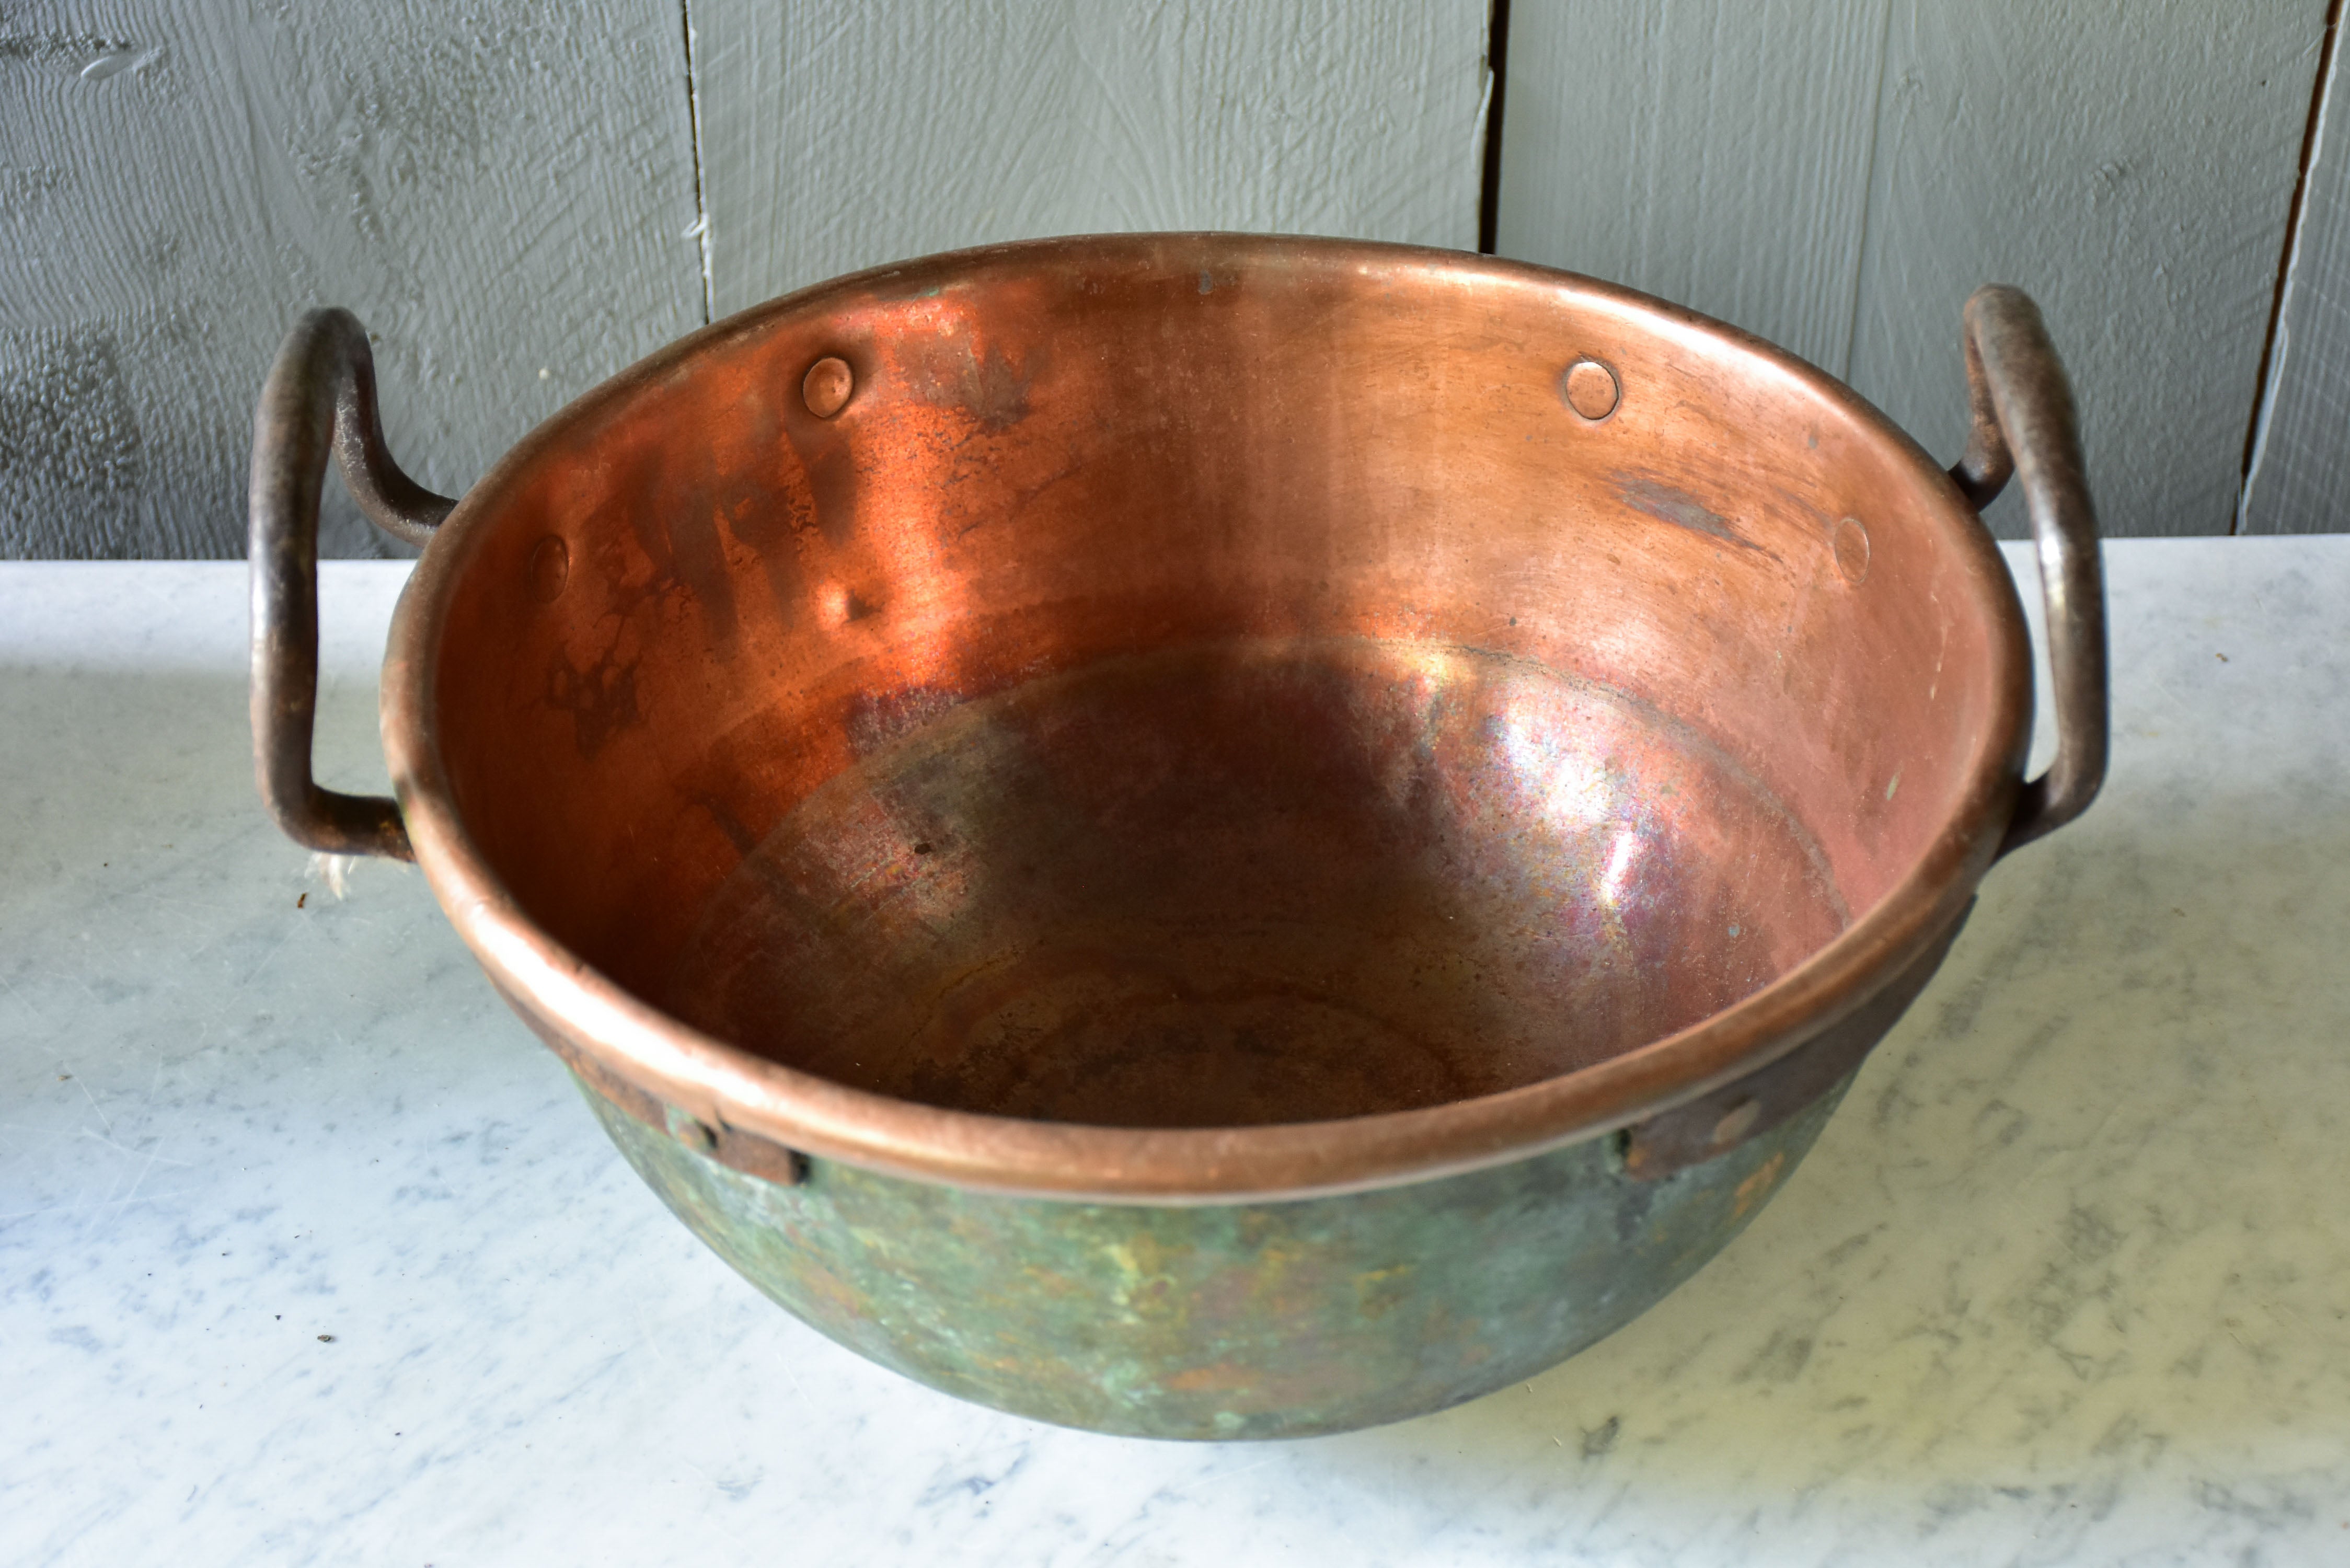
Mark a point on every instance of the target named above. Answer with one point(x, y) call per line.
point(2024, 425)
point(321, 397)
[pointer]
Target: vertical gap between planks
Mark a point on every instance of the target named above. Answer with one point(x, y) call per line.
point(1497, 81)
point(1868, 192)
point(2262, 392)
point(700, 230)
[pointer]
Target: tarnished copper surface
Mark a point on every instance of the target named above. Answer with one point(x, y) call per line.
point(1204, 716)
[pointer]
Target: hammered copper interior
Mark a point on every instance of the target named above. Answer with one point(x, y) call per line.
point(1201, 681)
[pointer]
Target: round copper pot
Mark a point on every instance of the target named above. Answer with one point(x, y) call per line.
point(1200, 835)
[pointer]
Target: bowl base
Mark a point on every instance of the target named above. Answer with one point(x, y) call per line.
point(1256, 882)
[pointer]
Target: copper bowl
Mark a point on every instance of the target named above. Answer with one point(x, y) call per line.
point(1292, 756)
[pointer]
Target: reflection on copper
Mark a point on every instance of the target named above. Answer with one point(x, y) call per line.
point(1619, 866)
point(1253, 881)
point(1163, 741)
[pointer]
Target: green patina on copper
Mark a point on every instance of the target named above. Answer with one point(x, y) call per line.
point(1252, 1320)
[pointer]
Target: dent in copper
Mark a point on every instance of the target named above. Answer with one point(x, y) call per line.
point(1205, 717)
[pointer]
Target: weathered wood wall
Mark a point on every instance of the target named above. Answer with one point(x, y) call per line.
point(1836, 175)
point(512, 200)
point(498, 193)
point(841, 136)
point(2299, 479)
point(520, 200)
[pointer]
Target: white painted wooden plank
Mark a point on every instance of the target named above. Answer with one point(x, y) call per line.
point(2298, 482)
point(2131, 167)
point(1838, 176)
point(497, 193)
point(1714, 153)
point(844, 134)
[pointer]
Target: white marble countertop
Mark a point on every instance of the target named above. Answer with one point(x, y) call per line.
point(308, 1252)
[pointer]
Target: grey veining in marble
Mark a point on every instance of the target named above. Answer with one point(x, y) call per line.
point(309, 1253)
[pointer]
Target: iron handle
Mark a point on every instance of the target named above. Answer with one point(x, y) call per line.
point(319, 397)
point(2024, 425)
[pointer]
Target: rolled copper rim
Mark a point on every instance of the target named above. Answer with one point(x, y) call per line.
point(725, 1086)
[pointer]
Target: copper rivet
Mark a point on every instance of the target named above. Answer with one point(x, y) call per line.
point(1591, 389)
point(1852, 550)
point(1736, 1123)
point(829, 381)
point(550, 568)
point(699, 1134)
